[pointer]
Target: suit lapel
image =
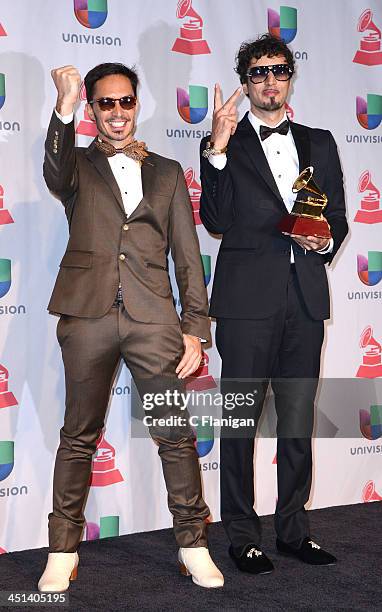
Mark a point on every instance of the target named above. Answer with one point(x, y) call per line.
point(103, 167)
point(148, 175)
point(251, 144)
point(301, 139)
point(99, 160)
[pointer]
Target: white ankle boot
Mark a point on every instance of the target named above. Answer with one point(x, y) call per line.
point(60, 569)
point(196, 562)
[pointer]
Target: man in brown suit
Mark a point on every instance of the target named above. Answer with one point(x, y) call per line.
point(126, 208)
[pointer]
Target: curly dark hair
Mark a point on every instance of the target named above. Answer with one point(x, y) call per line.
point(264, 45)
point(107, 69)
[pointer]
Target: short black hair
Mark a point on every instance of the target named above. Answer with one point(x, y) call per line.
point(107, 69)
point(265, 45)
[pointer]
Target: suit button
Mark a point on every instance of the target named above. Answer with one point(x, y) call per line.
point(56, 133)
point(125, 227)
point(122, 257)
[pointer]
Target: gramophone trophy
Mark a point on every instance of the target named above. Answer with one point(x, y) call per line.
point(306, 218)
point(370, 210)
point(371, 366)
point(191, 39)
point(369, 53)
point(86, 126)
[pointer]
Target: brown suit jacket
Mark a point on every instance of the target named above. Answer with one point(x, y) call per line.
point(105, 247)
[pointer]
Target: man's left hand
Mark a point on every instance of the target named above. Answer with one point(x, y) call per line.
point(310, 243)
point(191, 358)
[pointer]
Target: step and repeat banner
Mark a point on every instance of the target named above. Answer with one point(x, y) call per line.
point(180, 49)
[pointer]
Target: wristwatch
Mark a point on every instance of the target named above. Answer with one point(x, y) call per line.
point(210, 150)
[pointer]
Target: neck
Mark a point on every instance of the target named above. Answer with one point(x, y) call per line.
point(270, 117)
point(117, 144)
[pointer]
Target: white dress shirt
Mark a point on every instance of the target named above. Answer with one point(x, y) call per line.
point(281, 153)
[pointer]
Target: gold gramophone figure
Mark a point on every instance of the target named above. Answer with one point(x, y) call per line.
point(306, 218)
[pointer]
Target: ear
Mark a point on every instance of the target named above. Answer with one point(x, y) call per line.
point(245, 88)
point(90, 112)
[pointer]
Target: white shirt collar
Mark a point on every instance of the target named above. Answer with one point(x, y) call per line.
point(256, 122)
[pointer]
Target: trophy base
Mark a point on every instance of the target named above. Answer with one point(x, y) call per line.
point(368, 58)
point(201, 384)
point(191, 47)
point(7, 399)
point(303, 226)
point(373, 371)
point(87, 128)
point(103, 479)
point(5, 217)
point(368, 216)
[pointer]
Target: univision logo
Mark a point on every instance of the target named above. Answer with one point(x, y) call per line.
point(284, 24)
point(2, 31)
point(370, 422)
point(108, 528)
point(7, 459)
point(2, 89)
point(369, 116)
point(91, 13)
point(204, 439)
point(369, 111)
point(206, 261)
point(192, 105)
point(370, 268)
point(5, 276)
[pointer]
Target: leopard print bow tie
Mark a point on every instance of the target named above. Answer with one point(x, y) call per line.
point(136, 150)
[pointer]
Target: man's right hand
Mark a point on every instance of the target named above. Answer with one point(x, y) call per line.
point(224, 121)
point(67, 81)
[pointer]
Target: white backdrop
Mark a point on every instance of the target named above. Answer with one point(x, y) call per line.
point(128, 493)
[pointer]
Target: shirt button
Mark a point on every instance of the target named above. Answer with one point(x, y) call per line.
point(125, 192)
point(279, 175)
point(122, 257)
point(125, 227)
point(278, 152)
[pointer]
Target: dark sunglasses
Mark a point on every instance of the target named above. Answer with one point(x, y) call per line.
point(258, 74)
point(107, 104)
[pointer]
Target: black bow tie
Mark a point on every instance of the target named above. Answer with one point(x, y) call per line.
point(266, 131)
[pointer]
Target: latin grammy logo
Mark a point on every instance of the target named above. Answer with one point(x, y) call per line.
point(86, 126)
point(6, 397)
point(190, 40)
point(369, 52)
point(104, 471)
point(2, 31)
point(195, 190)
point(5, 216)
point(201, 380)
point(289, 112)
point(371, 366)
point(370, 211)
point(369, 494)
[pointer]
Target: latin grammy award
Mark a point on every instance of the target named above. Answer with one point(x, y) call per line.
point(306, 218)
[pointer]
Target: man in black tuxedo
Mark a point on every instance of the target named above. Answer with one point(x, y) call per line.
point(270, 294)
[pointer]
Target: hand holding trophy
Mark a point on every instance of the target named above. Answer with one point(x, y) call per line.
point(306, 221)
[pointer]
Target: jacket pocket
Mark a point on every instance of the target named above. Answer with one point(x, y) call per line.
point(151, 264)
point(77, 259)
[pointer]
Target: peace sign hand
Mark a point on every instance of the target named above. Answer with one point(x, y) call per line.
point(224, 121)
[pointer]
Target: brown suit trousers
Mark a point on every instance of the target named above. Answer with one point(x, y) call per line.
point(151, 352)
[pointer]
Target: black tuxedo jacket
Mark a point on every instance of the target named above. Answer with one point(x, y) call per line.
point(242, 202)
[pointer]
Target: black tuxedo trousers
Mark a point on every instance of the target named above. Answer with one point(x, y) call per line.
point(284, 349)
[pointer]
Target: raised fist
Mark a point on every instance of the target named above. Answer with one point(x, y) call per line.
point(67, 81)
